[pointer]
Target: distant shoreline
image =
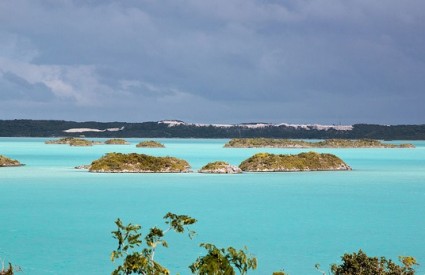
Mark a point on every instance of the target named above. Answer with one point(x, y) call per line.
point(179, 129)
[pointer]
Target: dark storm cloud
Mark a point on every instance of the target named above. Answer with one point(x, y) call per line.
point(221, 61)
point(14, 88)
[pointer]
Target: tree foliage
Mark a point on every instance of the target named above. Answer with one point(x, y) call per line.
point(361, 264)
point(135, 261)
point(133, 258)
point(143, 262)
point(219, 261)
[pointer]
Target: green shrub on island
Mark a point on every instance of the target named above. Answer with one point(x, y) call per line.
point(220, 167)
point(138, 163)
point(80, 142)
point(65, 140)
point(8, 162)
point(329, 143)
point(117, 141)
point(150, 144)
point(265, 142)
point(72, 141)
point(358, 143)
point(311, 161)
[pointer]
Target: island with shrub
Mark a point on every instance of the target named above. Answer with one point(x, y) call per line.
point(138, 163)
point(328, 143)
point(117, 141)
point(220, 167)
point(65, 140)
point(150, 144)
point(8, 162)
point(261, 162)
point(72, 141)
point(311, 161)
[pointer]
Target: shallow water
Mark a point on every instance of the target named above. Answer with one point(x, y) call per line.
point(57, 220)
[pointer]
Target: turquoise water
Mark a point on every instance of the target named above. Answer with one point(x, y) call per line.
point(57, 220)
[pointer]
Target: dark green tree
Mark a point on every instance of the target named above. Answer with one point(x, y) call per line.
point(221, 261)
point(361, 264)
point(130, 239)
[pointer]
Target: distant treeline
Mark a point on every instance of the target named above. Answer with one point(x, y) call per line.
point(55, 128)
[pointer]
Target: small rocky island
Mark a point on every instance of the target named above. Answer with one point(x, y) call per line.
point(8, 162)
point(328, 143)
point(65, 140)
point(138, 163)
point(117, 141)
point(72, 141)
point(81, 142)
point(220, 167)
point(311, 161)
point(150, 144)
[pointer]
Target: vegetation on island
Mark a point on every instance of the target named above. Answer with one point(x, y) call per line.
point(358, 143)
point(328, 143)
point(72, 141)
point(220, 167)
point(65, 140)
point(311, 161)
point(8, 162)
point(133, 256)
point(150, 144)
point(80, 142)
point(117, 141)
point(138, 163)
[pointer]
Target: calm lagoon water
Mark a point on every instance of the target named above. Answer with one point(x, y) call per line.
point(57, 220)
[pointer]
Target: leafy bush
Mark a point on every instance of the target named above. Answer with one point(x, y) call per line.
point(134, 261)
point(129, 239)
point(361, 264)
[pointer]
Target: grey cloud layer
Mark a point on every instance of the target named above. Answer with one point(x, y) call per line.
point(220, 61)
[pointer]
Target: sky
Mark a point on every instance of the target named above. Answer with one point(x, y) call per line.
point(221, 61)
